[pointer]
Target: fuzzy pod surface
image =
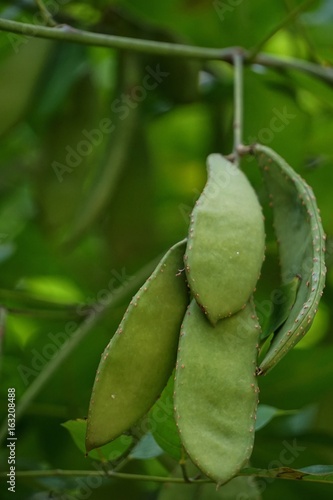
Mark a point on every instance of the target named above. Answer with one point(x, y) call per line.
point(226, 241)
point(136, 364)
point(301, 240)
point(216, 392)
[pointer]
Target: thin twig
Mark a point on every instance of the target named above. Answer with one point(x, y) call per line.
point(238, 105)
point(43, 313)
point(66, 33)
point(103, 473)
point(278, 473)
point(324, 73)
point(47, 16)
point(304, 34)
point(184, 472)
point(290, 17)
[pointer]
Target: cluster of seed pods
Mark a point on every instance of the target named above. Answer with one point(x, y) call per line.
point(215, 391)
point(196, 335)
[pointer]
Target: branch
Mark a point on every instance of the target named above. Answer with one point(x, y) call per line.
point(66, 33)
point(290, 17)
point(322, 72)
point(299, 26)
point(238, 105)
point(285, 473)
point(47, 16)
point(102, 473)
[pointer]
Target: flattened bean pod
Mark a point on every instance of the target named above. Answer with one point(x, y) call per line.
point(140, 357)
point(216, 392)
point(226, 242)
point(301, 245)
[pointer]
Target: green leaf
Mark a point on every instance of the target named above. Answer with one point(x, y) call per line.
point(17, 93)
point(111, 451)
point(146, 448)
point(65, 66)
point(15, 211)
point(318, 469)
point(163, 424)
point(266, 413)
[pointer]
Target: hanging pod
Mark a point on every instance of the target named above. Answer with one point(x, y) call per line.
point(216, 392)
point(226, 241)
point(140, 357)
point(301, 240)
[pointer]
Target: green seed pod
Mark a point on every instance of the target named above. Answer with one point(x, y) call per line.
point(226, 243)
point(216, 392)
point(140, 357)
point(301, 245)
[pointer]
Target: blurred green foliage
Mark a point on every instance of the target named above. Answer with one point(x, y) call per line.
point(127, 135)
